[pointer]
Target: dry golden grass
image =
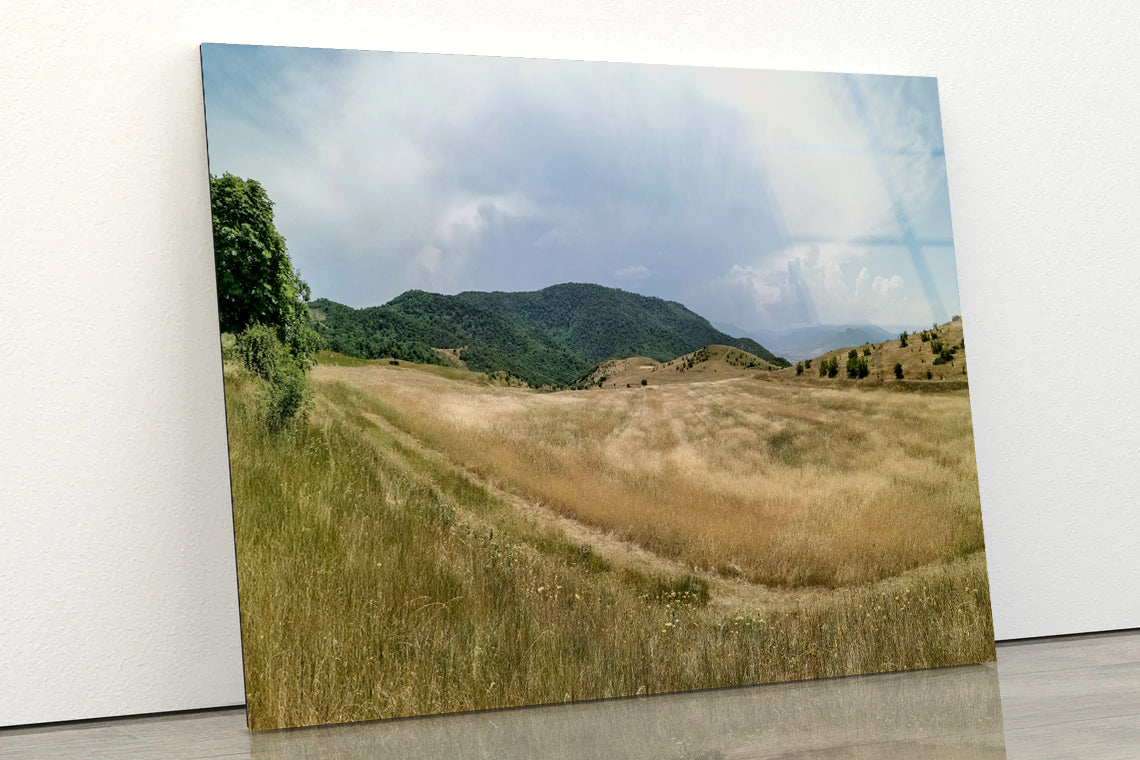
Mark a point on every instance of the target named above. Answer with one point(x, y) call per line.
point(709, 363)
point(915, 359)
point(379, 579)
point(784, 484)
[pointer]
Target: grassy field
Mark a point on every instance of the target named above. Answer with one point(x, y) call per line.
point(430, 542)
point(779, 483)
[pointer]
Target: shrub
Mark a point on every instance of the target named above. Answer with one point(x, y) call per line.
point(902, 339)
point(288, 396)
point(833, 367)
point(852, 354)
point(644, 381)
point(259, 350)
point(866, 351)
point(929, 375)
point(935, 346)
point(807, 363)
point(823, 365)
point(925, 336)
point(898, 371)
point(799, 368)
point(857, 368)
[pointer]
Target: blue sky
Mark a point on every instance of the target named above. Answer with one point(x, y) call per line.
point(762, 199)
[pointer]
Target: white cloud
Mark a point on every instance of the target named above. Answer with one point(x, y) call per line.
point(635, 273)
point(825, 284)
point(449, 172)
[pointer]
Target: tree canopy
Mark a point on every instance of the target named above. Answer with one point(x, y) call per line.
point(553, 336)
point(257, 283)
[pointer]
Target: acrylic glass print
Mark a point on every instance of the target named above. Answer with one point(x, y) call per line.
point(553, 380)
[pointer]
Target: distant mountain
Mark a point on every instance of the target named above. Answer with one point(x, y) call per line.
point(549, 336)
point(805, 342)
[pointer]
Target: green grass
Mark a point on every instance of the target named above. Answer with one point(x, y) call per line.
point(334, 359)
point(379, 582)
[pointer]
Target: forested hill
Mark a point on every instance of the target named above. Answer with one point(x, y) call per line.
point(549, 336)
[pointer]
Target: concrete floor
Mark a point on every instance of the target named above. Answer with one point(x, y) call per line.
point(1063, 698)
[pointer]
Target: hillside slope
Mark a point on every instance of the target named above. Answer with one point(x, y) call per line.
point(715, 362)
point(806, 342)
point(546, 337)
point(916, 359)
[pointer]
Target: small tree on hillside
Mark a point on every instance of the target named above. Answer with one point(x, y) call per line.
point(902, 339)
point(857, 367)
point(799, 368)
point(898, 371)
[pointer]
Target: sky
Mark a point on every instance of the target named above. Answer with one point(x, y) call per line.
point(763, 200)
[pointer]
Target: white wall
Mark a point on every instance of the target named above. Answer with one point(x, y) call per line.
point(117, 591)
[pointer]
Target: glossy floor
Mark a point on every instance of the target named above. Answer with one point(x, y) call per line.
point(1066, 698)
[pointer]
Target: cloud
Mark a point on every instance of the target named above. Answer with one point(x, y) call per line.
point(820, 284)
point(633, 273)
point(746, 191)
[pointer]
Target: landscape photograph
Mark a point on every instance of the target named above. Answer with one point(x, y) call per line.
point(558, 380)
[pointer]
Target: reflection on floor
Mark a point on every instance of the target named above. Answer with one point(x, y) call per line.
point(1064, 698)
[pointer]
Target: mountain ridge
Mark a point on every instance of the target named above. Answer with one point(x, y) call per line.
point(550, 336)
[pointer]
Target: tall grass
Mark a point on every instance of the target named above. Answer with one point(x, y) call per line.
point(782, 483)
point(377, 581)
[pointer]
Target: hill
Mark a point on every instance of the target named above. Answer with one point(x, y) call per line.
point(805, 342)
point(917, 358)
point(550, 336)
point(716, 362)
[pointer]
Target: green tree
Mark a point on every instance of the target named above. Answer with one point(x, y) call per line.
point(857, 368)
point(799, 368)
point(898, 371)
point(902, 339)
point(257, 283)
